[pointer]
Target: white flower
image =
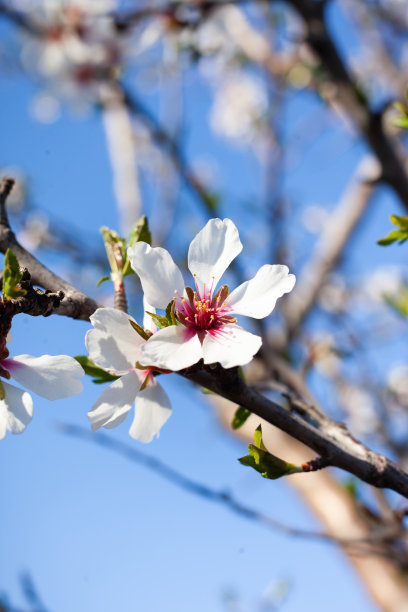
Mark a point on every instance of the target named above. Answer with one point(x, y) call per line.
point(52, 377)
point(240, 104)
point(207, 330)
point(115, 346)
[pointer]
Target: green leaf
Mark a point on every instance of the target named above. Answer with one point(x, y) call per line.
point(401, 122)
point(2, 391)
point(171, 318)
point(211, 200)
point(400, 235)
point(401, 222)
point(158, 319)
point(103, 280)
point(258, 437)
point(139, 329)
point(11, 277)
point(166, 320)
point(394, 236)
point(140, 232)
point(115, 249)
point(91, 369)
point(268, 465)
point(240, 416)
point(351, 486)
point(400, 107)
point(399, 302)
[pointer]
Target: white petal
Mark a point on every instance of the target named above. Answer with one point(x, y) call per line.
point(230, 346)
point(159, 275)
point(152, 409)
point(16, 410)
point(113, 344)
point(115, 402)
point(212, 251)
point(50, 376)
point(148, 322)
point(257, 297)
point(172, 348)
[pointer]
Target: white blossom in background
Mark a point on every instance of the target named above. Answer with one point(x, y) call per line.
point(52, 377)
point(239, 108)
point(324, 356)
point(80, 48)
point(397, 381)
point(314, 218)
point(333, 294)
point(115, 346)
point(206, 326)
point(370, 296)
point(385, 280)
point(359, 406)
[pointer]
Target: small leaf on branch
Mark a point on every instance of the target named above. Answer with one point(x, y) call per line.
point(401, 222)
point(158, 319)
point(211, 200)
point(400, 235)
point(12, 277)
point(103, 280)
point(139, 329)
point(208, 391)
point(166, 320)
point(171, 318)
point(140, 232)
point(240, 417)
point(399, 302)
point(401, 120)
point(115, 249)
point(91, 369)
point(268, 465)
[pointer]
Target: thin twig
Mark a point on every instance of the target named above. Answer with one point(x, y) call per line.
point(361, 546)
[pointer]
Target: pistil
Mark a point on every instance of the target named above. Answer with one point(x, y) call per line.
point(203, 311)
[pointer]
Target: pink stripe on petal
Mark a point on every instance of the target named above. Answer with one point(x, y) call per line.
point(11, 365)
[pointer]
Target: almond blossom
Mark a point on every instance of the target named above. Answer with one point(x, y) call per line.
point(53, 377)
point(114, 346)
point(206, 328)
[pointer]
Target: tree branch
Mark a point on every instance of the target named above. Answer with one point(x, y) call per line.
point(75, 303)
point(369, 123)
point(303, 422)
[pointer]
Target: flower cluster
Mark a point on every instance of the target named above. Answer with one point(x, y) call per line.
point(200, 324)
point(203, 326)
point(80, 48)
point(206, 326)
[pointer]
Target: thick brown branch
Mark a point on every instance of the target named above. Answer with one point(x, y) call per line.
point(329, 439)
point(34, 303)
point(392, 161)
point(75, 303)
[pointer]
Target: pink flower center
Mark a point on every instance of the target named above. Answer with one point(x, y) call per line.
point(202, 311)
point(6, 365)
